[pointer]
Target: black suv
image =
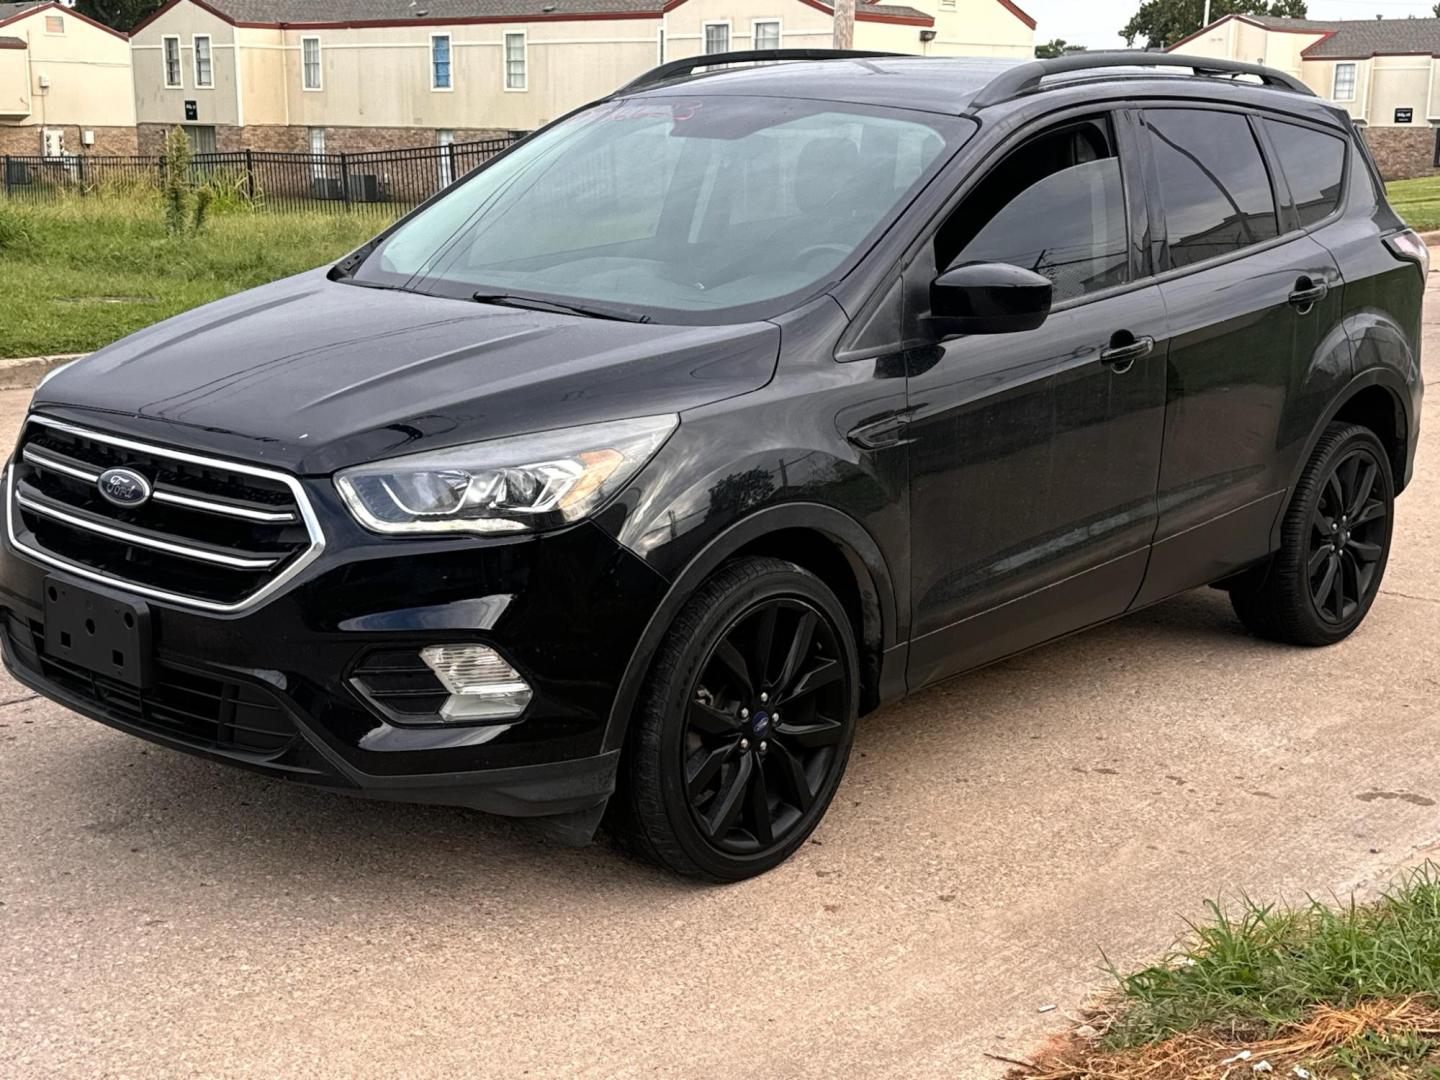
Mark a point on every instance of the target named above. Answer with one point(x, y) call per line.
point(629, 472)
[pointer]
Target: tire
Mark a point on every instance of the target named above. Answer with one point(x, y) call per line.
point(694, 762)
point(1311, 593)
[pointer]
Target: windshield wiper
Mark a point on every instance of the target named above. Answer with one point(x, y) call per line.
point(534, 303)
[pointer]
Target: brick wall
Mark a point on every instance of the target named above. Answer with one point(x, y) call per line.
point(25, 140)
point(294, 139)
point(1403, 152)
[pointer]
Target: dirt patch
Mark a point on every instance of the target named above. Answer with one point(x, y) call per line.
point(1394, 1037)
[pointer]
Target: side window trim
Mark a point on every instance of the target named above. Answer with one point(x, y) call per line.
point(1164, 272)
point(1277, 167)
point(1287, 218)
point(966, 171)
point(1137, 182)
point(976, 176)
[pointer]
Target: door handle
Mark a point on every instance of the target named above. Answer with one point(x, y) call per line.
point(1122, 354)
point(1308, 292)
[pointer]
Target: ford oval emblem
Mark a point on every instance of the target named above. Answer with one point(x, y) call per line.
point(124, 487)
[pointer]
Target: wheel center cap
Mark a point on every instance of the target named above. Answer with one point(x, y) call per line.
point(760, 724)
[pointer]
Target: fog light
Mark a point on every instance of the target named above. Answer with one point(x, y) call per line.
point(482, 685)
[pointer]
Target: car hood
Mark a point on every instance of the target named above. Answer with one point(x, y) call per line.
point(312, 375)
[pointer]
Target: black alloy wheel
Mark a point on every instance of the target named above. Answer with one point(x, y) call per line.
point(765, 722)
point(1334, 544)
point(1348, 533)
point(744, 729)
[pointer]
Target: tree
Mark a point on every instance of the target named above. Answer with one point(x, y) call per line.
point(1160, 23)
point(1058, 47)
point(122, 15)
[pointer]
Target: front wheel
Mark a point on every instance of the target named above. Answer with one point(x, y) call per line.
point(1335, 542)
point(745, 726)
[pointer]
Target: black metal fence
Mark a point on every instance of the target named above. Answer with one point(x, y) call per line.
point(381, 182)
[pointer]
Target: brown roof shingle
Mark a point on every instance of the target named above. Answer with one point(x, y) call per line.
point(1362, 37)
point(10, 10)
point(303, 12)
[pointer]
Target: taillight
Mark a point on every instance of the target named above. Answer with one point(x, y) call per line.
point(1408, 245)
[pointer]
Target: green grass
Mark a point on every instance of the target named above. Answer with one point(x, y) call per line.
point(1264, 966)
point(1320, 990)
point(1417, 201)
point(84, 272)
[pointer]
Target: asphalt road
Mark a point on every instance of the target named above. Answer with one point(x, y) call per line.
point(164, 917)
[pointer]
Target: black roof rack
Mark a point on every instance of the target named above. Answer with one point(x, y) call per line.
point(677, 68)
point(1026, 77)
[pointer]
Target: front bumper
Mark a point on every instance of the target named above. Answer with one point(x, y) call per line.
point(272, 689)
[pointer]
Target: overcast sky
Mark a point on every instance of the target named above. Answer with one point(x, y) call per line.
point(1094, 23)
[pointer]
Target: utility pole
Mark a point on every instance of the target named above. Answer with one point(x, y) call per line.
point(845, 23)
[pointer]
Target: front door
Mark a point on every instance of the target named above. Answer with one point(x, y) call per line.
point(1034, 456)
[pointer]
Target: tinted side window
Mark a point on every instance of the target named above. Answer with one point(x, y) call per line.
point(1314, 166)
point(1056, 206)
point(1213, 183)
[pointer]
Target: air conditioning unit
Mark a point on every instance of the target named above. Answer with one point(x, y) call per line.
point(365, 187)
point(328, 187)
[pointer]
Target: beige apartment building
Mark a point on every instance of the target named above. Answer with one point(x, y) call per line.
point(342, 75)
point(1384, 71)
point(65, 83)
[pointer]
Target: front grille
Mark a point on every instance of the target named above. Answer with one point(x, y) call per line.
point(204, 711)
point(213, 534)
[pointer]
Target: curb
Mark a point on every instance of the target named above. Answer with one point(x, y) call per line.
point(26, 373)
point(1432, 239)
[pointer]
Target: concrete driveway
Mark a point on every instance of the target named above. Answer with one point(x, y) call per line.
point(161, 916)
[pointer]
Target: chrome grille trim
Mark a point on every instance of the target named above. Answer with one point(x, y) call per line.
point(296, 489)
point(224, 510)
point(42, 460)
point(183, 550)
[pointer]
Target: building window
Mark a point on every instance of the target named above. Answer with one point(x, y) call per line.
point(717, 37)
point(1344, 82)
point(310, 63)
point(515, 61)
point(318, 164)
point(172, 63)
point(204, 66)
point(440, 74)
point(767, 34)
point(54, 24)
point(446, 140)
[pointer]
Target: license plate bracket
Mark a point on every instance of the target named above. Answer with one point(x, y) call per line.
point(98, 630)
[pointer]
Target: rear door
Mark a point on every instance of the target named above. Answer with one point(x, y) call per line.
point(1250, 298)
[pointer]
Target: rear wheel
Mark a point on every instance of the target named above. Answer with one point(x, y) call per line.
point(1335, 542)
point(745, 726)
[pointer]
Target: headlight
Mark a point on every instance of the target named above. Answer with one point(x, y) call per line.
point(506, 485)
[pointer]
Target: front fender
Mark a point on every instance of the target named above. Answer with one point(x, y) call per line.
point(872, 574)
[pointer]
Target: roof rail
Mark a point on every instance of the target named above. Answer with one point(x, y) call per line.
point(675, 68)
point(1026, 77)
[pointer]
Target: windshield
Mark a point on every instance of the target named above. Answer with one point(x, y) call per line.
point(673, 206)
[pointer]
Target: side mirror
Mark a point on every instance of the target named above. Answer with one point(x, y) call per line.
point(989, 298)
